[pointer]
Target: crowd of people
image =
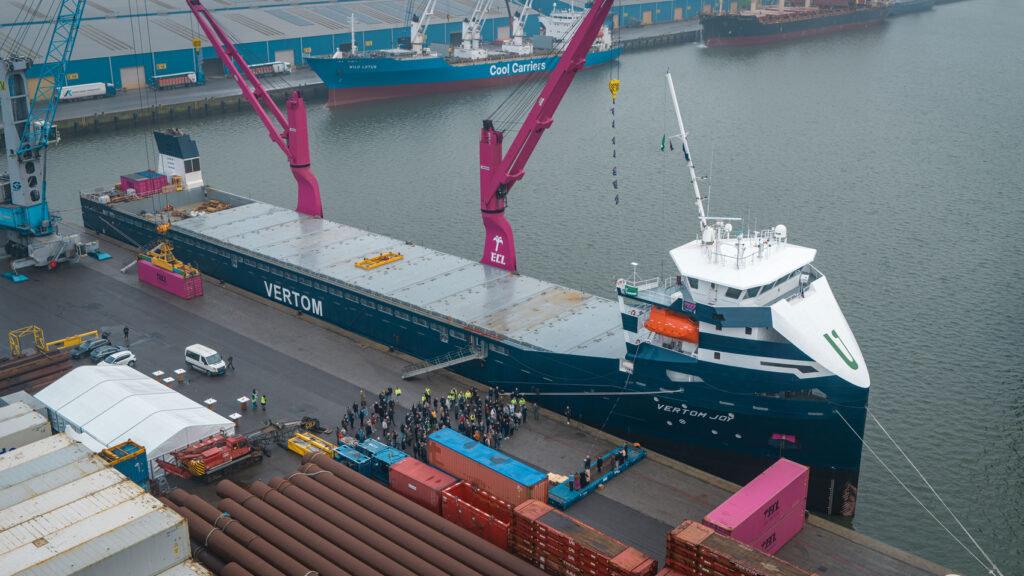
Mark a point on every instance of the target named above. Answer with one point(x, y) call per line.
point(487, 418)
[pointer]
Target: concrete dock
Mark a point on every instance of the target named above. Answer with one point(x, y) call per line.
point(308, 368)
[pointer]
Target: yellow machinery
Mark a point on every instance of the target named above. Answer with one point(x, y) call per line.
point(40, 343)
point(163, 256)
point(381, 260)
point(303, 443)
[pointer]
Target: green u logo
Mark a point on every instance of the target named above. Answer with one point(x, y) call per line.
point(850, 361)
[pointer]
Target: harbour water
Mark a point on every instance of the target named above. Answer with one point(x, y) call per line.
point(895, 151)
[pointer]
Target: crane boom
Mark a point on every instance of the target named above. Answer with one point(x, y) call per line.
point(499, 173)
point(293, 137)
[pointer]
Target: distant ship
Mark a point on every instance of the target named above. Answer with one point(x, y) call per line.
point(781, 22)
point(900, 8)
point(364, 76)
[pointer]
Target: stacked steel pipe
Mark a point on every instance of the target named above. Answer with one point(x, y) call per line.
point(329, 520)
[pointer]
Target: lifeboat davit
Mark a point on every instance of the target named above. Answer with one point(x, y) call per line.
point(673, 324)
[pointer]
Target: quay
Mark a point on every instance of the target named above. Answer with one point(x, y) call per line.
point(308, 368)
point(220, 95)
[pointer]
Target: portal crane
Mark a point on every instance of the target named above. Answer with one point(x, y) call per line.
point(470, 47)
point(515, 44)
point(293, 138)
point(28, 233)
point(497, 173)
point(418, 26)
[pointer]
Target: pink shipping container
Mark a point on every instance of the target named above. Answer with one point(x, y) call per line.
point(419, 482)
point(782, 531)
point(177, 284)
point(497, 474)
point(761, 503)
point(145, 183)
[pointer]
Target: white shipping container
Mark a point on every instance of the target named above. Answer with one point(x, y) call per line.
point(23, 429)
point(187, 568)
point(13, 410)
point(140, 537)
point(38, 458)
point(50, 480)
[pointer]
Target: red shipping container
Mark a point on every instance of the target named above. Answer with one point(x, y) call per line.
point(762, 502)
point(419, 482)
point(176, 284)
point(479, 512)
point(145, 183)
point(782, 531)
point(486, 468)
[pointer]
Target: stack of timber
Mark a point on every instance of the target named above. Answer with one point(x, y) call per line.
point(33, 372)
point(694, 549)
point(560, 544)
point(329, 519)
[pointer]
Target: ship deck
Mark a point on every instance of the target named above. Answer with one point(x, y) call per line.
point(534, 313)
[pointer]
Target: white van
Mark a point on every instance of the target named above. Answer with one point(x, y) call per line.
point(199, 357)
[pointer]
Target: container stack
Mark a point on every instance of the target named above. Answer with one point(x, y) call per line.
point(21, 425)
point(767, 512)
point(479, 512)
point(695, 550)
point(419, 482)
point(64, 510)
point(562, 545)
point(497, 474)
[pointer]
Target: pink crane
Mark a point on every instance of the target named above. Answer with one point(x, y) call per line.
point(293, 138)
point(497, 173)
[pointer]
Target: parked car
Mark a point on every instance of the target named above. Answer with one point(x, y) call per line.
point(88, 346)
point(120, 358)
point(102, 352)
point(199, 357)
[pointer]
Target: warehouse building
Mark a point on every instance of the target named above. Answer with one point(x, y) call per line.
point(127, 45)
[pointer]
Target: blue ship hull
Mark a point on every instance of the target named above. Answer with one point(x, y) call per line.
point(910, 6)
point(363, 79)
point(719, 424)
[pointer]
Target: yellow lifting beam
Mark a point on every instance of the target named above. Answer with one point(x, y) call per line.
point(381, 260)
point(303, 443)
point(71, 341)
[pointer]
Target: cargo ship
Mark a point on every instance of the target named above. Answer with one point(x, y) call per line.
point(902, 7)
point(356, 76)
point(739, 358)
point(765, 24)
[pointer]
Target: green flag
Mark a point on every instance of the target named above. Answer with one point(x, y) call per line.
point(662, 142)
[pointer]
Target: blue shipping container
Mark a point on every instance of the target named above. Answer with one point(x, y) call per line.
point(488, 457)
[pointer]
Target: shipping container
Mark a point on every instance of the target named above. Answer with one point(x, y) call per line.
point(91, 520)
point(495, 473)
point(271, 68)
point(696, 549)
point(187, 568)
point(419, 482)
point(181, 285)
point(144, 183)
point(782, 531)
point(352, 458)
point(560, 544)
point(762, 502)
point(383, 460)
point(371, 446)
point(20, 425)
point(478, 512)
point(129, 459)
point(174, 80)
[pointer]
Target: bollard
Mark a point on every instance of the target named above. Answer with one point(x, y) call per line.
point(210, 402)
point(245, 403)
point(169, 381)
point(158, 375)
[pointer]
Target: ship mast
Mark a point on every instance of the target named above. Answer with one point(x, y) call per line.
point(686, 152)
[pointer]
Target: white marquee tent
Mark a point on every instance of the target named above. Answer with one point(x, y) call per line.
point(103, 406)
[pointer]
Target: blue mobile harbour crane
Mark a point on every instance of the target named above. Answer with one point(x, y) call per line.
point(28, 234)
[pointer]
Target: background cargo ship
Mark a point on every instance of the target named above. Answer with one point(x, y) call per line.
point(364, 76)
point(761, 25)
point(729, 405)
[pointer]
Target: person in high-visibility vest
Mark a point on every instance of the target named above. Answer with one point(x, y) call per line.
point(398, 393)
point(263, 402)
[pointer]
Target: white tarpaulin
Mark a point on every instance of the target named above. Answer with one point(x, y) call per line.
point(113, 404)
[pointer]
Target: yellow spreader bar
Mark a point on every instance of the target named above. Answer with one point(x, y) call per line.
point(381, 260)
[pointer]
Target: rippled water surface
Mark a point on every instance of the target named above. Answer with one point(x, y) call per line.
point(896, 151)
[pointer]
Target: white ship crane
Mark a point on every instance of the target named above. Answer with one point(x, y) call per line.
point(418, 27)
point(516, 44)
point(470, 48)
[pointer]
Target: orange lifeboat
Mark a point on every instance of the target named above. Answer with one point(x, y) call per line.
point(672, 324)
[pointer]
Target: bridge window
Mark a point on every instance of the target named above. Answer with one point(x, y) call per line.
point(694, 283)
point(753, 292)
point(733, 293)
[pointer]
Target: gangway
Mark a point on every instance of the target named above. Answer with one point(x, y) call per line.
point(563, 495)
point(459, 356)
